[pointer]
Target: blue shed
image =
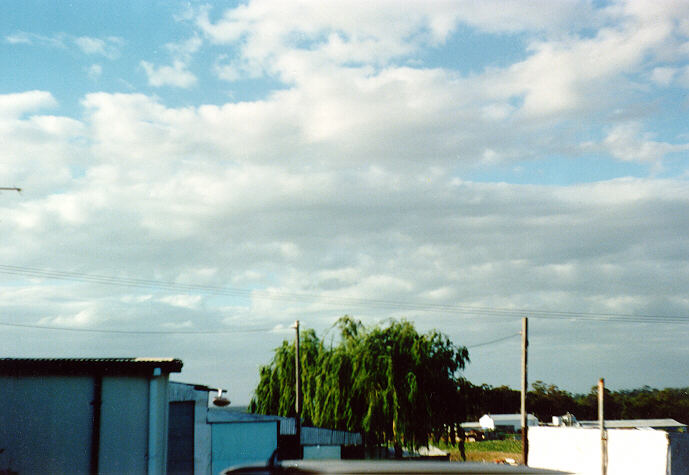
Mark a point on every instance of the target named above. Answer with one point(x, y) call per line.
point(84, 415)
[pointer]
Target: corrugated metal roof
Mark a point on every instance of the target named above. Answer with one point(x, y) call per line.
point(128, 365)
point(188, 392)
point(320, 436)
point(508, 417)
point(635, 423)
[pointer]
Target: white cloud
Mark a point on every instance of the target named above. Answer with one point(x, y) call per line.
point(352, 180)
point(184, 301)
point(22, 37)
point(201, 195)
point(94, 72)
point(185, 49)
point(14, 105)
point(663, 76)
point(90, 45)
point(176, 75)
point(82, 319)
point(18, 38)
point(108, 47)
point(574, 74)
point(627, 142)
point(228, 71)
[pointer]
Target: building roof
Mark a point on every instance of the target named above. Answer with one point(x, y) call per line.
point(195, 387)
point(508, 417)
point(493, 421)
point(309, 435)
point(635, 423)
point(81, 366)
point(181, 392)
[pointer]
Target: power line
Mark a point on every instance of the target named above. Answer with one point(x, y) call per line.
point(340, 301)
point(139, 332)
point(497, 340)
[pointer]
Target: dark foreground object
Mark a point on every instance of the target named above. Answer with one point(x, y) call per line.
point(383, 466)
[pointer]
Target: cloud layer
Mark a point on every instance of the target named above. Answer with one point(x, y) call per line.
point(350, 188)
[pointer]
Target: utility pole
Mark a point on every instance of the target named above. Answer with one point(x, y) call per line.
point(525, 387)
point(297, 399)
point(601, 423)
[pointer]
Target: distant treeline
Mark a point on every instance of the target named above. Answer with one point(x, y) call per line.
point(547, 400)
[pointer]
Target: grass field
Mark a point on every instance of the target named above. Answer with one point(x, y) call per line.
point(488, 451)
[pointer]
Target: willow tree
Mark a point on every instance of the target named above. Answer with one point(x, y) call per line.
point(393, 384)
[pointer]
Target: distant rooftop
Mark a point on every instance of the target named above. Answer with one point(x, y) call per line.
point(508, 417)
point(636, 423)
point(73, 366)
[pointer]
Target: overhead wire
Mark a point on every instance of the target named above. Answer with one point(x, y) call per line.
point(139, 332)
point(492, 342)
point(325, 299)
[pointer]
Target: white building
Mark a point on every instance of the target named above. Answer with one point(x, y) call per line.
point(86, 415)
point(506, 422)
point(578, 450)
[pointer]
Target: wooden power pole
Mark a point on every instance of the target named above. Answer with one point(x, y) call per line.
point(525, 387)
point(297, 399)
point(601, 423)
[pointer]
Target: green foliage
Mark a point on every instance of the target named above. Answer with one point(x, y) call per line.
point(486, 399)
point(547, 400)
point(392, 383)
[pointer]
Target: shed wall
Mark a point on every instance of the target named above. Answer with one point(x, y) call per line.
point(46, 424)
point(180, 392)
point(47, 421)
point(180, 441)
point(679, 453)
point(242, 443)
point(322, 452)
point(124, 427)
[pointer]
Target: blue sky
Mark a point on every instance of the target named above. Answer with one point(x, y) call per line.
point(204, 174)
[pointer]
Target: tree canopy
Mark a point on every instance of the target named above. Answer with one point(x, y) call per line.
point(391, 383)
point(547, 400)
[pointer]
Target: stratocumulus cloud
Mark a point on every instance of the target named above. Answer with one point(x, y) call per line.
point(303, 160)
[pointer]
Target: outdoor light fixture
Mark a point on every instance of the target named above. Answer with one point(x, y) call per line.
point(220, 400)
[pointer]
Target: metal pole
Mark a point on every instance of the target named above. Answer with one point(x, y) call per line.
point(601, 423)
point(525, 387)
point(297, 399)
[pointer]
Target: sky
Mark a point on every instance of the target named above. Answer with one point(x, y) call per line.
point(197, 176)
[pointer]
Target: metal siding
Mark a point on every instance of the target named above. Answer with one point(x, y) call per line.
point(242, 443)
point(183, 392)
point(124, 426)
point(322, 452)
point(45, 424)
point(180, 458)
point(319, 436)
point(157, 424)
